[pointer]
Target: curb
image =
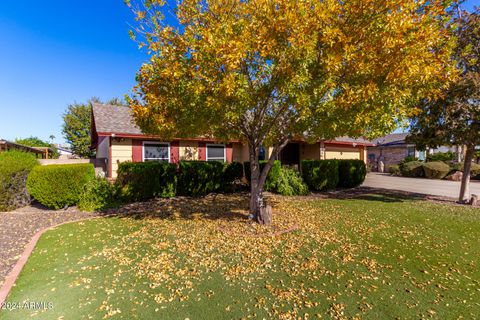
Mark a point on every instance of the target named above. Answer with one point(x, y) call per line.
point(12, 276)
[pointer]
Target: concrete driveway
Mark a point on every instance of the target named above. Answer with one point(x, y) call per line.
point(442, 188)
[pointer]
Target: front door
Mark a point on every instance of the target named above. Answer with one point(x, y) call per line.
point(290, 155)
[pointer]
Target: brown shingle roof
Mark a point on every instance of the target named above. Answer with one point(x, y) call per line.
point(391, 139)
point(114, 119)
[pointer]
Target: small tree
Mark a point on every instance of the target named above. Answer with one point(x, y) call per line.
point(454, 118)
point(270, 71)
point(77, 122)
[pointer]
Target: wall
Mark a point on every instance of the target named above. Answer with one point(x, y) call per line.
point(240, 152)
point(389, 155)
point(188, 150)
point(309, 151)
point(100, 164)
point(102, 147)
point(121, 151)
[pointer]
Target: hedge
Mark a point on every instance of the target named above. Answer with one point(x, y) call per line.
point(320, 174)
point(98, 194)
point(14, 169)
point(140, 181)
point(57, 186)
point(394, 170)
point(436, 169)
point(412, 169)
point(272, 178)
point(351, 173)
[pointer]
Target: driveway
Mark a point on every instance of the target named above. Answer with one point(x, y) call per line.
point(442, 188)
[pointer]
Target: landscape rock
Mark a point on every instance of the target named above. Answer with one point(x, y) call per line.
point(456, 176)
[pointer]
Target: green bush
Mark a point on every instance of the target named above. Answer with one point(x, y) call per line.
point(139, 181)
point(441, 156)
point(14, 169)
point(408, 159)
point(197, 178)
point(233, 171)
point(320, 174)
point(412, 169)
point(351, 173)
point(436, 169)
point(57, 186)
point(394, 170)
point(98, 194)
point(474, 169)
point(272, 178)
point(290, 183)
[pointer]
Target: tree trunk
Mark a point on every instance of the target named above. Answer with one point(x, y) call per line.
point(258, 210)
point(465, 187)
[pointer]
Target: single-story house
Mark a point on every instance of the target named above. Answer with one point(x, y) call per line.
point(116, 138)
point(391, 149)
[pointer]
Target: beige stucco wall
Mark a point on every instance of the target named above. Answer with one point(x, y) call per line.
point(121, 151)
point(188, 150)
point(240, 152)
point(342, 153)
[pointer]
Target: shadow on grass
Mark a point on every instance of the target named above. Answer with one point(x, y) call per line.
point(381, 195)
point(227, 207)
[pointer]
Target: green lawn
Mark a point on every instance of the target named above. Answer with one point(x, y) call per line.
point(369, 258)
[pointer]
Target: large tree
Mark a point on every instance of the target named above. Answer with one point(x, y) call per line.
point(76, 127)
point(454, 117)
point(268, 71)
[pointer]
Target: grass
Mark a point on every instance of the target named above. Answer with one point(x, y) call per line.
point(372, 258)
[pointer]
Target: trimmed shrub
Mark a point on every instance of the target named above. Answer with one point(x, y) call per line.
point(320, 174)
point(98, 194)
point(408, 159)
point(14, 169)
point(233, 171)
point(436, 170)
point(351, 173)
point(441, 156)
point(474, 169)
point(139, 181)
point(197, 178)
point(394, 170)
point(272, 178)
point(290, 183)
point(57, 186)
point(412, 169)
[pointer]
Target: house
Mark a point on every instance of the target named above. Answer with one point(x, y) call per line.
point(116, 138)
point(392, 149)
point(39, 152)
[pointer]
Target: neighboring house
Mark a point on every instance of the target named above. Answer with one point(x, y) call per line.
point(116, 139)
point(391, 149)
point(64, 151)
point(39, 152)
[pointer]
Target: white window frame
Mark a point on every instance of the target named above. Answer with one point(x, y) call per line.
point(216, 145)
point(154, 142)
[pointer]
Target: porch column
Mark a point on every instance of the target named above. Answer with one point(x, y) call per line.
point(322, 151)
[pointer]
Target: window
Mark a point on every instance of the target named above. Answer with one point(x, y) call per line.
point(156, 151)
point(411, 151)
point(262, 153)
point(216, 152)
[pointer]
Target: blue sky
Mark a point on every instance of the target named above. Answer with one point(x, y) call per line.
point(55, 52)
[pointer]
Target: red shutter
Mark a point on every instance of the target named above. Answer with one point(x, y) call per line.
point(174, 151)
point(229, 152)
point(137, 150)
point(202, 151)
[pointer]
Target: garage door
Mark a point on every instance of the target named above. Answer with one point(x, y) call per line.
point(343, 154)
